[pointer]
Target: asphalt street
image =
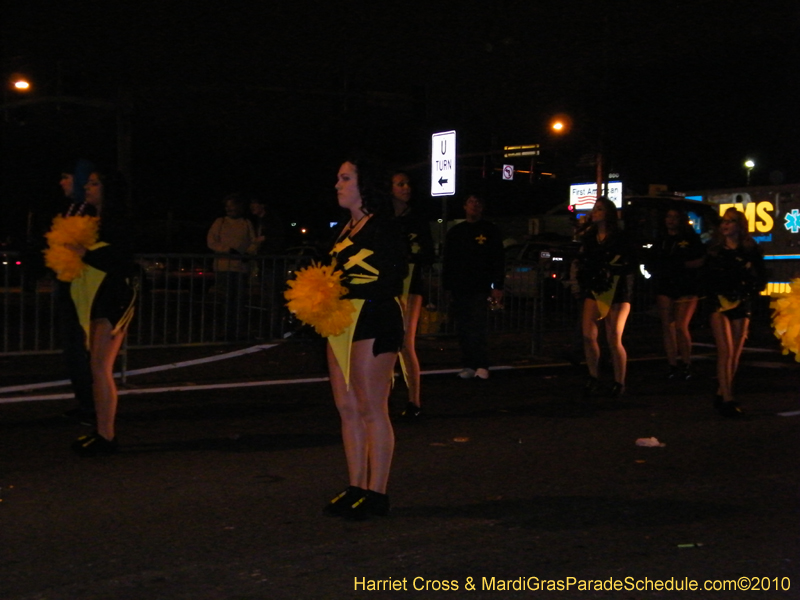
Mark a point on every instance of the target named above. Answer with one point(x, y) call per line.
point(217, 492)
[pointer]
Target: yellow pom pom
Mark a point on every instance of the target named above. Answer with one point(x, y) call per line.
point(315, 297)
point(786, 319)
point(77, 231)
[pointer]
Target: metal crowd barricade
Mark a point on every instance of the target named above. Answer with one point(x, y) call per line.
point(27, 309)
point(182, 301)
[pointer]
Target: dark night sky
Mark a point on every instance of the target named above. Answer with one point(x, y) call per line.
point(268, 96)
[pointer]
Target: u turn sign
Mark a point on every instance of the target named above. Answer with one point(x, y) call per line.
point(443, 163)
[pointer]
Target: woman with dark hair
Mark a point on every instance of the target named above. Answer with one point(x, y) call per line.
point(606, 280)
point(420, 242)
point(73, 179)
point(676, 258)
point(734, 276)
point(104, 294)
point(371, 253)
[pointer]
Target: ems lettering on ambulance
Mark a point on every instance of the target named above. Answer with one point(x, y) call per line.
point(759, 214)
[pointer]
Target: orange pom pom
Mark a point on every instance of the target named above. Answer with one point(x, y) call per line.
point(77, 231)
point(315, 297)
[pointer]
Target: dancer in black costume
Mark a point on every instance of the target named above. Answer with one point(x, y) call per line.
point(675, 261)
point(418, 232)
point(606, 281)
point(372, 253)
point(734, 276)
point(104, 295)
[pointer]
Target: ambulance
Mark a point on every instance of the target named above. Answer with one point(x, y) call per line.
point(773, 213)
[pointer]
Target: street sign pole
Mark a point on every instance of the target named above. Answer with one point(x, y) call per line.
point(443, 172)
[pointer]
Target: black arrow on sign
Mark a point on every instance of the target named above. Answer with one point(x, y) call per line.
point(442, 181)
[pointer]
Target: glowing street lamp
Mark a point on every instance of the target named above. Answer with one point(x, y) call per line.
point(749, 165)
point(19, 83)
point(560, 124)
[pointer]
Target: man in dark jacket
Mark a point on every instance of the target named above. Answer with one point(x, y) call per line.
point(474, 273)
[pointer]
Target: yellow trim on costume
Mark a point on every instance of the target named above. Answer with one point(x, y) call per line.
point(407, 282)
point(127, 316)
point(341, 245)
point(359, 259)
point(83, 290)
point(358, 279)
point(606, 299)
point(403, 303)
point(342, 344)
point(725, 304)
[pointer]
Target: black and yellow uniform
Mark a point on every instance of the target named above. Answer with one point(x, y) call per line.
point(733, 278)
point(606, 269)
point(374, 264)
point(72, 334)
point(106, 289)
point(420, 241)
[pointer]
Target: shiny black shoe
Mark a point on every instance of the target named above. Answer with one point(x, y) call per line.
point(617, 390)
point(674, 373)
point(373, 504)
point(339, 505)
point(411, 412)
point(731, 410)
point(94, 444)
point(591, 387)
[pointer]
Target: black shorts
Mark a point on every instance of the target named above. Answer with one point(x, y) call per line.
point(381, 320)
point(112, 300)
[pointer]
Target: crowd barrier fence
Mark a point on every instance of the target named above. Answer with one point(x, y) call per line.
point(183, 301)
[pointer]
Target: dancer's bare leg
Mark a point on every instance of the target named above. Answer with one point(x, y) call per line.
point(105, 348)
point(615, 327)
point(411, 314)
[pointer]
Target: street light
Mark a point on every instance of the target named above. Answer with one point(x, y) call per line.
point(560, 124)
point(19, 83)
point(749, 164)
